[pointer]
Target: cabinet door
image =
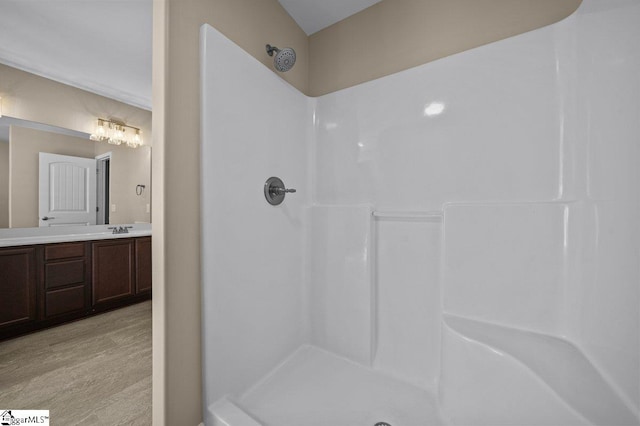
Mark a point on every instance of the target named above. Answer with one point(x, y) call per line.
point(143, 264)
point(17, 286)
point(112, 269)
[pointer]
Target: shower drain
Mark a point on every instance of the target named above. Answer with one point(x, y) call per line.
point(382, 424)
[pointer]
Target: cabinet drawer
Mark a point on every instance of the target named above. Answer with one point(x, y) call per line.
point(64, 251)
point(65, 301)
point(61, 274)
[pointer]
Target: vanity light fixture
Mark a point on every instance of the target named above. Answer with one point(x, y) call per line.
point(117, 133)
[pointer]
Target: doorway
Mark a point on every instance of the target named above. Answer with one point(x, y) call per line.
point(103, 163)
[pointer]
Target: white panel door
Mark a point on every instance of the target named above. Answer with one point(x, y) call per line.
point(67, 190)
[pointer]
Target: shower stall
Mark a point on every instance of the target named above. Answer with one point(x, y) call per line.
point(463, 247)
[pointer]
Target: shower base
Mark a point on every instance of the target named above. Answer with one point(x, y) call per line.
point(491, 375)
point(317, 388)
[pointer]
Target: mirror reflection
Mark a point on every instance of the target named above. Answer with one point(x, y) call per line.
point(50, 176)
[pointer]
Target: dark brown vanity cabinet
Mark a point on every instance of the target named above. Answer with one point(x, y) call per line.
point(18, 283)
point(121, 271)
point(143, 262)
point(66, 272)
point(113, 270)
point(48, 284)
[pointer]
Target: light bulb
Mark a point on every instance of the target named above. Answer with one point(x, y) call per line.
point(137, 139)
point(100, 129)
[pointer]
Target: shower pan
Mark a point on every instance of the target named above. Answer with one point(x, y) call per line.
point(462, 248)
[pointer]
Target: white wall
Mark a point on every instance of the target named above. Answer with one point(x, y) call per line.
point(529, 147)
point(339, 280)
point(503, 187)
point(250, 24)
point(497, 137)
point(607, 91)
point(254, 126)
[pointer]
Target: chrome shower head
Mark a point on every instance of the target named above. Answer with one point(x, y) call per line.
point(284, 59)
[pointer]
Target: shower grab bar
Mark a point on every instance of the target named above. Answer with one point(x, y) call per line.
point(433, 216)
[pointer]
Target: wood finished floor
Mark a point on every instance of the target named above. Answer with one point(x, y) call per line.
point(96, 371)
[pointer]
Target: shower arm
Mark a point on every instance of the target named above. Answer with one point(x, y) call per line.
point(271, 49)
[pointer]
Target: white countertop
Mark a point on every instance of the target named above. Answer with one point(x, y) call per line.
point(27, 236)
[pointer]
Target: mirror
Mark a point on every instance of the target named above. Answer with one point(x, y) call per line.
point(123, 182)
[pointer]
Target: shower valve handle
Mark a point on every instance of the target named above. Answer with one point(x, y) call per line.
point(275, 190)
point(280, 190)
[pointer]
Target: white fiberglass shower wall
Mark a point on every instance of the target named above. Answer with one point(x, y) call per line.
point(463, 248)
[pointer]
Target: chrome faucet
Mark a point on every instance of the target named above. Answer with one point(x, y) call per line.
point(120, 229)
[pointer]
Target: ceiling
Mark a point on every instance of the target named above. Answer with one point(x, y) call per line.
point(104, 46)
point(314, 15)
